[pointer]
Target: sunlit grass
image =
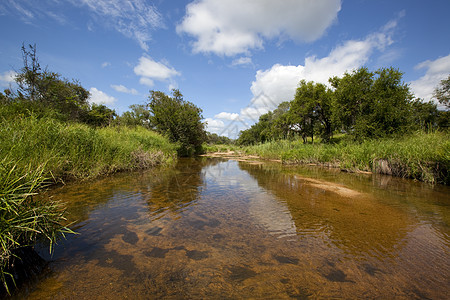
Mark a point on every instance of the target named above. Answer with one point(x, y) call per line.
point(38, 151)
point(23, 218)
point(422, 156)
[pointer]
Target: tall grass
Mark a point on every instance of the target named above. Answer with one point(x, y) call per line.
point(72, 150)
point(38, 151)
point(422, 156)
point(23, 219)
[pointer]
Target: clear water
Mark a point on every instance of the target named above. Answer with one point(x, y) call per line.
point(214, 228)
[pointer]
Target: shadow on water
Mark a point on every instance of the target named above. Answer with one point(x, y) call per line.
point(216, 228)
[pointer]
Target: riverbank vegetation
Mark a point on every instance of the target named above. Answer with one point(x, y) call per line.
point(366, 121)
point(51, 133)
point(422, 156)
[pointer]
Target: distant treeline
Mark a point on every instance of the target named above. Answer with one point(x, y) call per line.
point(361, 104)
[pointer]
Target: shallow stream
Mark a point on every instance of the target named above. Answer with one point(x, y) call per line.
point(216, 228)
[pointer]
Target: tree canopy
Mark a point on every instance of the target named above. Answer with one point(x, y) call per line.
point(362, 104)
point(178, 119)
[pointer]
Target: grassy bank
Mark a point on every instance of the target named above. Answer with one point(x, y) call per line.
point(420, 156)
point(35, 152)
point(72, 150)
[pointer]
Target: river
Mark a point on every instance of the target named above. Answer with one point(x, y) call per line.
point(217, 228)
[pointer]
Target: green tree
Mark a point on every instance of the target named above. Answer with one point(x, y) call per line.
point(310, 111)
point(372, 104)
point(351, 98)
point(137, 116)
point(424, 114)
point(47, 90)
point(99, 115)
point(442, 92)
point(180, 120)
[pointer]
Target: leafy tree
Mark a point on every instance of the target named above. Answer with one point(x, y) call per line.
point(99, 115)
point(391, 103)
point(351, 98)
point(442, 92)
point(180, 120)
point(137, 116)
point(370, 104)
point(48, 89)
point(424, 115)
point(310, 111)
point(214, 138)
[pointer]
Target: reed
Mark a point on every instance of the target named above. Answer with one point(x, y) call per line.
point(38, 151)
point(23, 218)
point(73, 150)
point(422, 156)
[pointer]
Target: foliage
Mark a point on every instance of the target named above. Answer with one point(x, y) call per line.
point(79, 151)
point(442, 92)
point(137, 116)
point(23, 217)
point(99, 115)
point(422, 156)
point(48, 89)
point(179, 120)
point(362, 104)
point(214, 138)
point(372, 104)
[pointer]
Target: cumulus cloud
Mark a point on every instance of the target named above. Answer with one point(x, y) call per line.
point(7, 78)
point(278, 84)
point(436, 70)
point(227, 116)
point(99, 97)
point(106, 64)
point(214, 126)
point(123, 89)
point(151, 70)
point(234, 26)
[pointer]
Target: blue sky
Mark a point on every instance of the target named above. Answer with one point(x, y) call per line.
point(236, 59)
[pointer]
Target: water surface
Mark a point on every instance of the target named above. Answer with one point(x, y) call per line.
point(214, 228)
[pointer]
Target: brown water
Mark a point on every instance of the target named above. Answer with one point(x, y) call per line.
point(213, 228)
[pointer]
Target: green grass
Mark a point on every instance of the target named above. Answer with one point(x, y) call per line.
point(71, 150)
point(421, 156)
point(23, 218)
point(35, 152)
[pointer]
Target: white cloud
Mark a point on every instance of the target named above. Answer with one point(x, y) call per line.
point(106, 64)
point(436, 70)
point(279, 83)
point(227, 116)
point(234, 26)
point(242, 61)
point(99, 97)
point(7, 78)
point(214, 126)
point(134, 19)
point(124, 89)
point(150, 70)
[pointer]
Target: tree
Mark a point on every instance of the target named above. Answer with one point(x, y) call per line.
point(137, 116)
point(442, 92)
point(370, 104)
point(178, 119)
point(351, 98)
point(310, 111)
point(424, 114)
point(48, 90)
point(99, 115)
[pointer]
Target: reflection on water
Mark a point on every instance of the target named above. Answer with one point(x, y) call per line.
point(213, 228)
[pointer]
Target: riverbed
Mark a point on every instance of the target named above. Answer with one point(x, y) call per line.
point(220, 228)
